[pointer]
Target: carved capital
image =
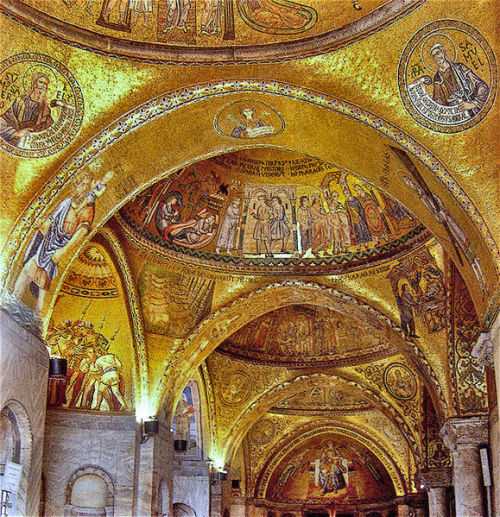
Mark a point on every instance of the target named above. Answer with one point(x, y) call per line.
point(465, 432)
point(483, 350)
point(434, 478)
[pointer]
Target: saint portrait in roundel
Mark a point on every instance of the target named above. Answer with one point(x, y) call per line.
point(400, 381)
point(41, 109)
point(447, 76)
point(236, 389)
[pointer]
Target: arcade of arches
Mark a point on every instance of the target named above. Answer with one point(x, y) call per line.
point(250, 258)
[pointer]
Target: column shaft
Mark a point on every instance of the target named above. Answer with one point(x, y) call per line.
point(437, 501)
point(467, 481)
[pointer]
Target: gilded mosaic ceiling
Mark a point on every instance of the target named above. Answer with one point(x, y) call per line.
point(195, 31)
point(183, 172)
point(302, 336)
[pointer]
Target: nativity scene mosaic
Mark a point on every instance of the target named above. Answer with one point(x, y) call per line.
point(290, 212)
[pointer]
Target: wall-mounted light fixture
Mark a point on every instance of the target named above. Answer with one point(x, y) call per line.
point(180, 445)
point(58, 368)
point(219, 475)
point(148, 428)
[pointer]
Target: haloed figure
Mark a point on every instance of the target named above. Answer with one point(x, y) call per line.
point(406, 302)
point(61, 231)
point(457, 84)
point(262, 230)
point(30, 113)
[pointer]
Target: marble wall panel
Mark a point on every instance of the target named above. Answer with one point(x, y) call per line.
point(74, 440)
point(24, 365)
point(191, 485)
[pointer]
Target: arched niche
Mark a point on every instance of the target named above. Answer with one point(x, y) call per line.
point(170, 118)
point(90, 491)
point(187, 420)
point(10, 438)
point(16, 441)
point(183, 510)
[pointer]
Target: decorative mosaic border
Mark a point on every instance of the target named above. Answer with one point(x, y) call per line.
point(345, 359)
point(169, 102)
point(343, 263)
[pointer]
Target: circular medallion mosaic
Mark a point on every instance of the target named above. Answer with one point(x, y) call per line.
point(400, 381)
point(262, 432)
point(447, 76)
point(41, 105)
point(236, 389)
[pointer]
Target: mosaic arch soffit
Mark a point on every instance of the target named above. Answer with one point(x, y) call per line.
point(147, 116)
point(213, 330)
point(296, 440)
point(296, 429)
point(111, 39)
point(260, 406)
point(117, 255)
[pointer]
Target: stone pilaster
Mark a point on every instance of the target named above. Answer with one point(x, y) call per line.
point(215, 498)
point(464, 436)
point(435, 482)
point(487, 352)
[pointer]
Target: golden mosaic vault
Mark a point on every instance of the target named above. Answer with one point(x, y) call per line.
point(249, 258)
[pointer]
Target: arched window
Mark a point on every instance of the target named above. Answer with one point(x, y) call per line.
point(183, 510)
point(187, 419)
point(90, 492)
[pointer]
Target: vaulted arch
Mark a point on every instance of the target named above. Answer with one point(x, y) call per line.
point(371, 138)
point(222, 323)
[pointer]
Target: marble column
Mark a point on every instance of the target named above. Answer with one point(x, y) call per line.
point(435, 482)
point(463, 436)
